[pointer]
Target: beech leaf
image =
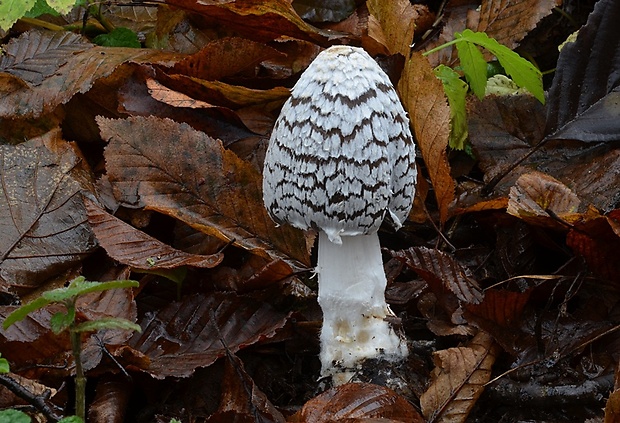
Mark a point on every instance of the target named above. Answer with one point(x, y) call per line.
point(192, 333)
point(190, 176)
point(458, 380)
point(134, 248)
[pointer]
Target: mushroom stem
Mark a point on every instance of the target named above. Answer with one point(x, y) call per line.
point(352, 286)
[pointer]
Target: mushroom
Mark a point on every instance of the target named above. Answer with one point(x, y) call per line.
point(340, 160)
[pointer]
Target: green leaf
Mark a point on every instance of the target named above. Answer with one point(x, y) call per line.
point(80, 286)
point(23, 311)
point(4, 365)
point(61, 6)
point(456, 91)
point(61, 321)
point(14, 416)
point(474, 66)
point(71, 419)
point(12, 10)
point(41, 8)
point(119, 37)
point(522, 72)
point(107, 323)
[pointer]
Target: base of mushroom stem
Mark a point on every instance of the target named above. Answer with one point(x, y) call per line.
point(391, 374)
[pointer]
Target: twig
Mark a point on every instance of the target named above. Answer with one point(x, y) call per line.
point(38, 401)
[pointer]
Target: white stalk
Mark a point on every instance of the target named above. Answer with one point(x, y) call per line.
point(352, 286)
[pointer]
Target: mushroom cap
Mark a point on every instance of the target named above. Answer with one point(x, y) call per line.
point(341, 154)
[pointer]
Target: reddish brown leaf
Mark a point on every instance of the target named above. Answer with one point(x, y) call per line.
point(111, 399)
point(49, 86)
point(190, 176)
point(189, 334)
point(241, 399)
point(42, 218)
point(357, 401)
point(134, 248)
point(442, 272)
point(509, 21)
point(424, 99)
point(226, 57)
point(458, 380)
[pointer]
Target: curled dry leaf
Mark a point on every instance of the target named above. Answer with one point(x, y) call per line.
point(357, 401)
point(134, 248)
point(42, 219)
point(458, 380)
point(540, 199)
point(191, 333)
point(424, 99)
point(191, 177)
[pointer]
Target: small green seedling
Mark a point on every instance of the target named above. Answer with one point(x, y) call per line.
point(473, 65)
point(65, 321)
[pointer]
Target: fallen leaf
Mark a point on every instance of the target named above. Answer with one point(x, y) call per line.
point(134, 248)
point(191, 177)
point(191, 333)
point(509, 21)
point(362, 401)
point(49, 85)
point(425, 101)
point(458, 380)
point(540, 199)
point(42, 218)
point(324, 10)
point(584, 99)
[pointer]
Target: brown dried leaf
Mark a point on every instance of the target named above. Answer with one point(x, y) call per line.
point(191, 177)
point(241, 399)
point(42, 219)
point(539, 199)
point(442, 272)
point(509, 21)
point(190, 333)
point(226, 57)
point(134, 248)
point(423, 97)
point(362, 401)
point(111, 398)
point(263, 20)
point(458, 380)
point(399, 20)
point(54, 76)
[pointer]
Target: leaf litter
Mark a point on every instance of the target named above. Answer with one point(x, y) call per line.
point(144, 162)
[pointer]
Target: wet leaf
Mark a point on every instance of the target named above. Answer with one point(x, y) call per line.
point(185, 335)
point(132, 247)
point(425, 101)
point(111, 399)
point(458, 380)
point(191, 177)
point(56, 67)
point(442, 273)
point(42, 220)
point(241, 399)
point(584, 100)
point(362, 401)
